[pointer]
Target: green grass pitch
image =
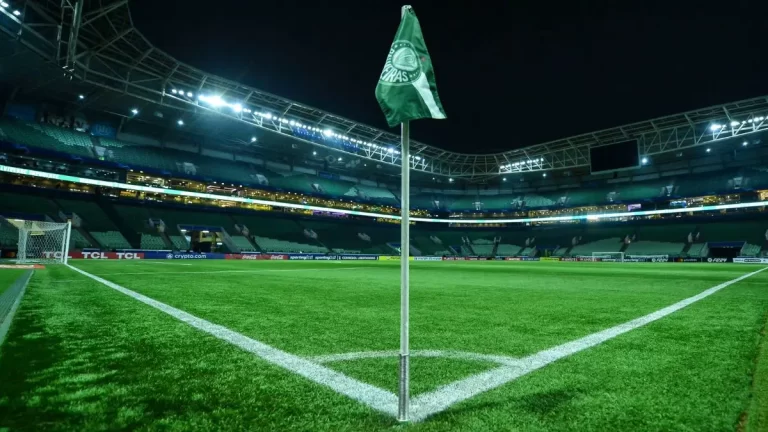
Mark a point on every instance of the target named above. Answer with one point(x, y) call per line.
point(82, 356)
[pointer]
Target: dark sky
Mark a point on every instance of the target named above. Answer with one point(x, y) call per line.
point(509, 73)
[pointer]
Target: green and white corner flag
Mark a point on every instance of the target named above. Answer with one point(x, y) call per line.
point(407, 89)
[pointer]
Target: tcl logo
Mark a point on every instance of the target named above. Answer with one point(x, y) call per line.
point(108, 255)
point(55, 255)
point(717, 260)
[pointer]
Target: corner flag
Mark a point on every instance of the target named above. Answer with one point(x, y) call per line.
point(407, 89)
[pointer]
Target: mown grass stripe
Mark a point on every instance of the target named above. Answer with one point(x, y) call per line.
point(376, 398)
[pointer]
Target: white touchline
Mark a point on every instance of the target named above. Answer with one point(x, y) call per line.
point(436, 401)
point(376, 398)
point(426, 404)
point(229, 271)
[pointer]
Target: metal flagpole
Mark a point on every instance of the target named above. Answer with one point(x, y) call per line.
point(405, 248)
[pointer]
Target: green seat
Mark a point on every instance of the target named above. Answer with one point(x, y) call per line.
point(243, 244)
point(111, 239)
point(93, 217)
point(30, 204)
point(149, 241)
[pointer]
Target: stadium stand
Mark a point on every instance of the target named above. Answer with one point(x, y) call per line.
point(28, 204)
point(243, 244)
point(44, 137)
point(605, 245)
point(655, 248)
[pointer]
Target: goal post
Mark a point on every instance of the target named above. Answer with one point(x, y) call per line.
point(38, 241)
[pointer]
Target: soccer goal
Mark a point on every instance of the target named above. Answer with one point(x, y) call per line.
point(608, 256)
point(37, 241)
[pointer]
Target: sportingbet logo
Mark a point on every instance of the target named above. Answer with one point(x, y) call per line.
point(717, 260)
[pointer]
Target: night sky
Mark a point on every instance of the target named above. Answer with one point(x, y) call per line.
point(509, 73)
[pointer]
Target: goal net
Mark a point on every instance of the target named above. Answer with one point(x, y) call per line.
point(608, 256)
point(37, 241)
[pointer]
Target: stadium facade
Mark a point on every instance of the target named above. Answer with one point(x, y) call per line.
point(87, 96)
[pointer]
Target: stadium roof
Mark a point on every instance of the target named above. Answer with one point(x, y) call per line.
point(98, 46)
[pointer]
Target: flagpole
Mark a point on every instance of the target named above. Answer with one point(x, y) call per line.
point(405, 248)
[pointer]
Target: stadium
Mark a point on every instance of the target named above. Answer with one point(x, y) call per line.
point(182, 251)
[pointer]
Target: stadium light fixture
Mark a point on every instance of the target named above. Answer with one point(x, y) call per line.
point(709, 149)
point(328, 132)
point(237, 108)
point(339, 158)
point(174, 91)
point(134, 111)
point(716, 127)
point(314, 153)
point(253, 139)
point(744, 143)
point(17, 13)
point(735, 123)
point(3, 4)
point(503, 179)
point(644, 161)
point(180, 122)
point(544, 175)
point(81, 97)
point(190, 94)
point(214, 101)
point(450, 179)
